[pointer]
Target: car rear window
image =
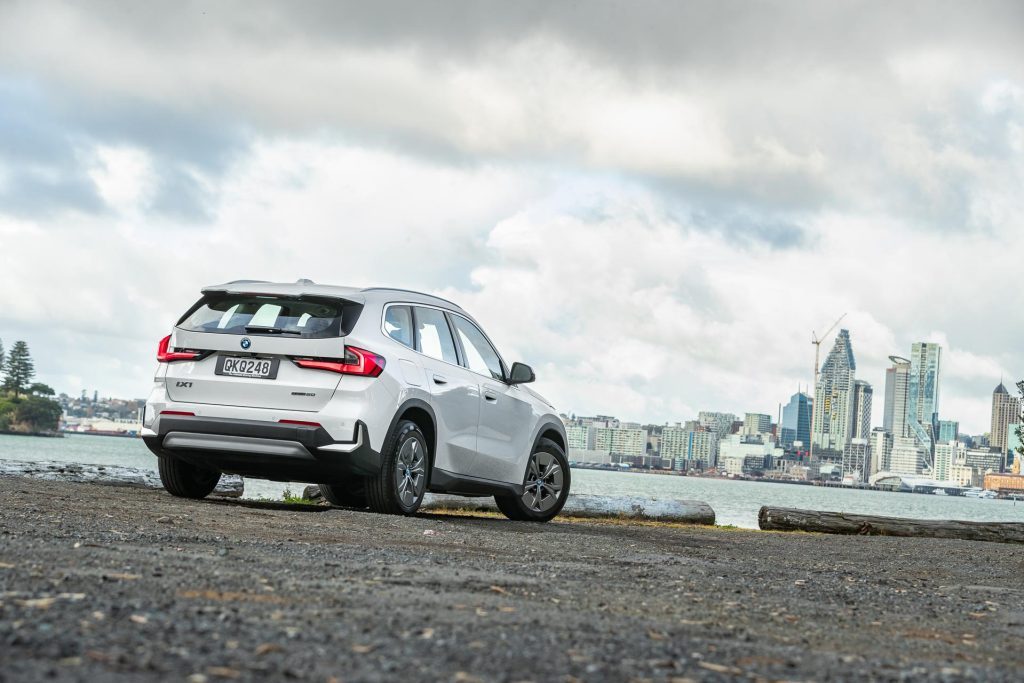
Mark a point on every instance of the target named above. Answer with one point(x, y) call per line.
point(255, 314)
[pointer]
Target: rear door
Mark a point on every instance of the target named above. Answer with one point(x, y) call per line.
point(454, 392)
point(246, 344)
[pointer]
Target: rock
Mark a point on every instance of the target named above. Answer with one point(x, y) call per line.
point(312, 492)
point(229, 486)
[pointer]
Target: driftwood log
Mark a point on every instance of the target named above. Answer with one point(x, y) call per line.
point(229, 486)
point(586, 505)
point(791, 519)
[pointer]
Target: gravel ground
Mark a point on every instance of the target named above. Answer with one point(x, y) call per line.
point(102, 584)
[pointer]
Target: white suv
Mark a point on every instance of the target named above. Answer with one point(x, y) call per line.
point(378, 395)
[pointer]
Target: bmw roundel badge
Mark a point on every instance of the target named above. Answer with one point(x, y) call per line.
point(246, 342)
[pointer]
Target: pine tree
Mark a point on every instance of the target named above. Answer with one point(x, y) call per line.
point(1, 356)
point(19, 368)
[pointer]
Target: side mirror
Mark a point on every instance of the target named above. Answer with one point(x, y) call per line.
point(521, 373)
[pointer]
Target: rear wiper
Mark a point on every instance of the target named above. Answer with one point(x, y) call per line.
point(270, 330)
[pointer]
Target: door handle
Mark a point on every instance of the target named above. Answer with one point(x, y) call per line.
point(491, 396)
point(439, 379)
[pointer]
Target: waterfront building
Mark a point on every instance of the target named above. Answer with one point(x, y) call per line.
point(674, 444)
point(578, 437)
point(949, 430)
point(738, 455)
point(833, 397)
point(948, 455)
point(1005, 411)
point(796, 421)
point(620, 441)
point(907, 456)
point(755, 424)
point(984, 459)
point(857, 460)
point(861, 411)
point(923, 394)
point(881, 450)
point(897, 384)
point(701, 448)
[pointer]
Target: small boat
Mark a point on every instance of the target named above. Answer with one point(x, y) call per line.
point(940, 492)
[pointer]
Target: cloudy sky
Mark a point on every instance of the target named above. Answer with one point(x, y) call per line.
point(653, 203)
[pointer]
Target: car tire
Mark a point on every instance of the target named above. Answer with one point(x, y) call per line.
point(347, 494)
point(546, 486)
point(405, 469)
point(183, 480)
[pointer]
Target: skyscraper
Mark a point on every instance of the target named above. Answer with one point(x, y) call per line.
point(833, 397)
point(1005, 411)
point(923, 395)
point(796, 421)
point(897, 384)
point(861, 425)
point(949, 430)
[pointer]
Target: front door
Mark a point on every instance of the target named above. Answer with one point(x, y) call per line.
point(505, 417)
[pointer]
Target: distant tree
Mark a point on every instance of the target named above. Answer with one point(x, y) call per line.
point(38, 413)
point(19, 368)
point(1, 356)
point(40, 389)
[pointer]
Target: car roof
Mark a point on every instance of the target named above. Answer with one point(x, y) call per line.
point(367, 295)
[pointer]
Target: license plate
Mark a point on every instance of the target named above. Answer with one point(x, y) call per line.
point(258, 368)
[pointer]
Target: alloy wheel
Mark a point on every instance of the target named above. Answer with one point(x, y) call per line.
point(544, 481)
point(410, 471)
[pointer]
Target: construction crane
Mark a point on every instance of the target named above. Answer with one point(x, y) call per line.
point(816, 340)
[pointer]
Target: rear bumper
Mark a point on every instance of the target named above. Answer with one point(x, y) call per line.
point(264, 450)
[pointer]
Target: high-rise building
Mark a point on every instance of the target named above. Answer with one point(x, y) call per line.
point(857, 459)
point(702, 447)
point(796, 421)
point(719, 423)
point(923, 394)
point(949, 430)
point(579, 437)
point(833, 397)
point(757, 423)
point(881, 450)
point(907, 456)
point(674, 444)
point(1005, 411)
point(897, 384)
point(861, 424)
point(948, 455)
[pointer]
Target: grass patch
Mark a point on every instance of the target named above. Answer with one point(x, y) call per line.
point(297, 499)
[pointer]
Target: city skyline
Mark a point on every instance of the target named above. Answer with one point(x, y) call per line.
point(653, 215)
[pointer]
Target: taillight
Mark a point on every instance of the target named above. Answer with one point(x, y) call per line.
point(357, 362)
point(165, 355)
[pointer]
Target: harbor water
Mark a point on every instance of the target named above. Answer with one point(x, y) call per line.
point(735, 502)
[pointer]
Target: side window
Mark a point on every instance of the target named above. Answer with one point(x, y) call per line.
point(398, 324)
point(480, 355)
point(435, 339)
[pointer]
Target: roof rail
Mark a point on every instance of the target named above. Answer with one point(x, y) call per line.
point(411, 291)
point(245, 282)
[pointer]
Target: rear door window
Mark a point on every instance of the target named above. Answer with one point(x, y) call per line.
point(312, 318)
point(434, 339)
point(398, 324)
